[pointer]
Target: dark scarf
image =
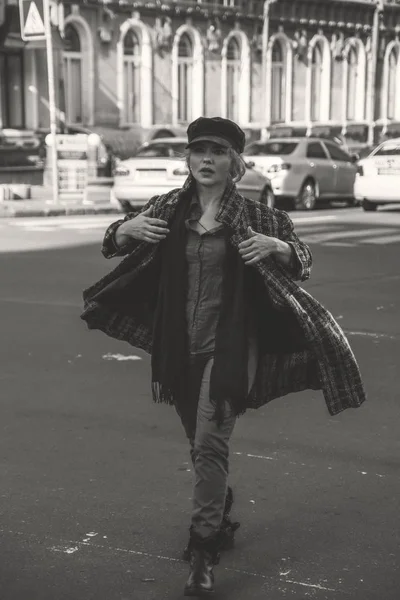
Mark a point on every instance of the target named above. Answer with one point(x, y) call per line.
point(170, 354)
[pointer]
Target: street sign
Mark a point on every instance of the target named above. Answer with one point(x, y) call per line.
point(31, 14)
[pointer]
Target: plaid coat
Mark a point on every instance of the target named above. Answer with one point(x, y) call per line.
point(328, 362)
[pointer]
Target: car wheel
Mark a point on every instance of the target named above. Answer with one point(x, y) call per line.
point(369, 206)
point(267, 197)
point(307, 198)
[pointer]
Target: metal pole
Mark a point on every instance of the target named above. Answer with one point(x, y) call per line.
point(265, 36)
point(372, 72)
point(52, 99)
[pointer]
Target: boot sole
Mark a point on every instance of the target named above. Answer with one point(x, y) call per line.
point(198, 593)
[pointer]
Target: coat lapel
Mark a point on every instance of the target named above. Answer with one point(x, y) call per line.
point(230, 212)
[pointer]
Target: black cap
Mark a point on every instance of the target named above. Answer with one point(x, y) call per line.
point(218, 130)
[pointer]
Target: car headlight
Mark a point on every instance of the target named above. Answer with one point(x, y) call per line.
point(180, 171)
point(121, 171)
point(279, 167)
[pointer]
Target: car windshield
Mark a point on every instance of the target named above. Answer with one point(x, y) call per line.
point(274, 148)
point(163, 150)
point(392, 149)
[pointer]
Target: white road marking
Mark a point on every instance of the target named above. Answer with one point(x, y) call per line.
point(372, 334)
point(336, 235)
point(382, 240)
point(64, 549)
point(84, 226)
point(330, 230)
point(341, 244)
point(314, 219)
point(178, 560)
point(40, 228)
point(310, 585)
point(297, 464)
point(256, 456)
point(120, 357)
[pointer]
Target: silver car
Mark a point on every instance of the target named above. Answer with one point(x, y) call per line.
point(158, 167)
point(304, 171)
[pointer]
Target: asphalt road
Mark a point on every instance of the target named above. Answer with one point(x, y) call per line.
point(95, 478)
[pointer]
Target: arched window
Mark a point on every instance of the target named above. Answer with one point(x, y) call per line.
point(278, 83)
point(185, 78)
point(132, 64)
point(232, 79)
point(393, 69)
point(352, 84)
point(73, 73)
point(11, 89)
point(316, 81)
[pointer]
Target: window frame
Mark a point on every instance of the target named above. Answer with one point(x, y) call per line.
point(325, 156)
point(185, 66)
point(69, 57)
point(132, 65)
point(317, 75)
point(263, 145)
point(6, 91)
point(279, 67)
point(392, 82)
point(233, 66)
point(352, 85)
point(346, 156)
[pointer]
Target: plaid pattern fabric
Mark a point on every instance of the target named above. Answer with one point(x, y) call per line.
point(328, 363)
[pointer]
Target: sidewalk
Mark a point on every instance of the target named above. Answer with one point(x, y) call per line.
point(47, 208)
point(96, 200)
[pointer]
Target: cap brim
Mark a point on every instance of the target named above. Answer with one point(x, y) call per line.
point(211, 138)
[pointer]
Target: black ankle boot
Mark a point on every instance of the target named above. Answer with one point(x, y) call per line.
point(227, 529)
point(203, 556)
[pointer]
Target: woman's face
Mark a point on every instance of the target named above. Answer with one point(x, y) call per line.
point(209, 163)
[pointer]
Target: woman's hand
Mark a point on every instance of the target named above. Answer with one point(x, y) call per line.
point(143, 228)
point(260, 246)
point(257, 247)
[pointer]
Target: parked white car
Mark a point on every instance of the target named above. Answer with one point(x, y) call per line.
point(378, 176)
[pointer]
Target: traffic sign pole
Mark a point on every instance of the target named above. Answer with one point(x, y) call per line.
point(36, 25)
point(52, 100)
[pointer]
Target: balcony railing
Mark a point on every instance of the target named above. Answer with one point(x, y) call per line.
point(249, 8)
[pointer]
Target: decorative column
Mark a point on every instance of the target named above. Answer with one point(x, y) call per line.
point(372, 63)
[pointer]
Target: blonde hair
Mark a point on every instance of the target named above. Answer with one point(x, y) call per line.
point(237, 168)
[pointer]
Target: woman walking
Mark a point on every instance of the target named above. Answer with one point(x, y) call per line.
point(208, 288)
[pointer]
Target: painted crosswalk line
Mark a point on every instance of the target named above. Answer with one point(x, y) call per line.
point(325, 230)
point(343, 234)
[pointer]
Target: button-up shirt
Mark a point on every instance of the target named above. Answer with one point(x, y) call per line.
point(205, 255)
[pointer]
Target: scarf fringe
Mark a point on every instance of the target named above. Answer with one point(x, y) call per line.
point(219, 412)
point(161, 394)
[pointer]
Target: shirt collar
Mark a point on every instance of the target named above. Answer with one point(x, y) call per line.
point(232, 203)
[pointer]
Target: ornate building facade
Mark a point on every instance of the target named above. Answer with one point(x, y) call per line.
point(138, 64)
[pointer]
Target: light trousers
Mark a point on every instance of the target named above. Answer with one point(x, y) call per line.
point(210, 456)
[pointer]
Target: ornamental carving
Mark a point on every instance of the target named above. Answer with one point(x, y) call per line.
point(163, 34)
point(106, 28)
point(257, 39)
point(300, 44)
point(214, 35)
point(337, 46)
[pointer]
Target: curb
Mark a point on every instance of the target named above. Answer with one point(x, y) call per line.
point(57, 211)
